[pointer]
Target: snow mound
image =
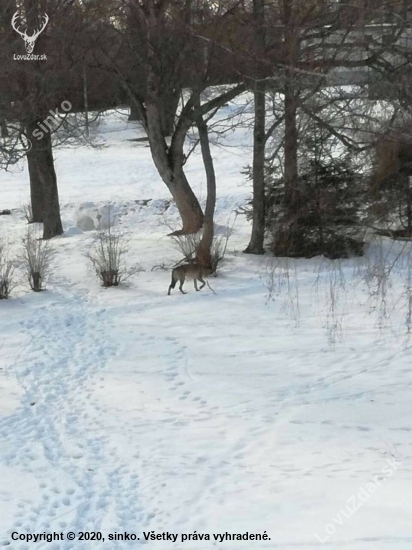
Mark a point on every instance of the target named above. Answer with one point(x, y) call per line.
point(89, 216)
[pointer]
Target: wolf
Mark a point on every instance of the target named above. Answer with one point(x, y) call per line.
point(190, 271)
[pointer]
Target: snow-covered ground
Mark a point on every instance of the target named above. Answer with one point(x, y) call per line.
point(125, 410)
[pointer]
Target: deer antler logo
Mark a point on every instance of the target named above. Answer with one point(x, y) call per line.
point(29, 41)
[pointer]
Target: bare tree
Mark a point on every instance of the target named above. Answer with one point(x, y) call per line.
point(203, 252)
point(168, 45)
point(259, 140)
point(32, 91)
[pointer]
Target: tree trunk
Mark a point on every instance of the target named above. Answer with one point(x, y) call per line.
point(291, 143)
point(203, 253)
point(42, 156)
point(170, 160)
point(408, 203)
point(36, 191)
point(4, 129)
point(134, 114)
point(186, 202)
point(258, 221)
point(291, 132)
point(52, 225)
point(169, 163)
point(86, 100)
point(169, 106)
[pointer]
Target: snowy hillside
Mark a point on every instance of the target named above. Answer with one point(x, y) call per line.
point(258, 409)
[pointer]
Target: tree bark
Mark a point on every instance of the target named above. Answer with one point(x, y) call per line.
point(43, 181)
point(86, 101)
point(169, 106)
point(291, 132)
point(42, 158)
point(258, 204)
point(186, 202)
point(259, 139)
point(169, 163)
point(203, 253)
point(134, 114)
point(170, 160)
point(4, 129)
point(36, 191)
point(291, 144)
point(52, 225)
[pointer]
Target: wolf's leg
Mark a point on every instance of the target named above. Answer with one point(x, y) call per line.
point(203, 282)
point(181, 287)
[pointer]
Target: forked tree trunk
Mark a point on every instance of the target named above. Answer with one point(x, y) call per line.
point(169, 162)
point(203, 253)
point(257, 237)
point(169, 106)
point(186, 202)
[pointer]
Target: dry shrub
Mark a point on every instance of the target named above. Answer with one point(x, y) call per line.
point(28, 213)
point(108, 257)
point(36, 260)
point(189, 247)
point(283, 281)
point(7, 271)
